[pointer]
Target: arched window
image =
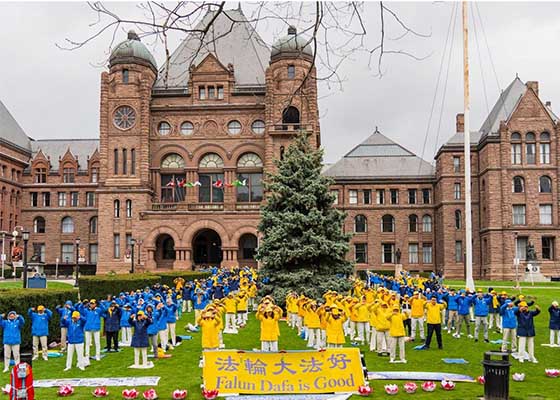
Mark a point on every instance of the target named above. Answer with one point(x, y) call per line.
point(258, 127)
point(128, 208)
point(93, 225)
point(515, 136)
point(290, 116)
point(516, 148)
point(360, 224)
point(427, 223)
point(234, 127)
point(530, 137)
point(67, 225)
point(530, 148)
point(211, 178)
point(518, 184)
point(117, 208)
point(388, 223)
point(282, 151)
point(545, 137)
point(173, 161)
point(545, 184)
point(412, 223)
point(39, 225)
point(458, 219)
point(164, 128)
point(248, 246)
point(545, 148)
point(249, 177)
point(187, 128)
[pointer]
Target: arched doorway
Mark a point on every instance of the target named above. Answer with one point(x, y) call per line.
point(165, 251)
point(247, 250)
point(207, 248)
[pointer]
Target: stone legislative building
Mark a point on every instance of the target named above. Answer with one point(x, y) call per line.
point(177, 169)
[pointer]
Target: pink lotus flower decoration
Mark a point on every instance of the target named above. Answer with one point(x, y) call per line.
point(428, 386)
point(179, 394)
point(518, 377)
point(129, 394)
point(481, 379)
point(210, 394)
point(552, 373)
point(365, 390)
point(150, 394)
point(447, 385)
point(100, 392)
point(65, 390)
point(410, 387)
point(391, 389)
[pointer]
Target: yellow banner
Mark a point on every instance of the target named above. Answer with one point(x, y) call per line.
point(332, 370)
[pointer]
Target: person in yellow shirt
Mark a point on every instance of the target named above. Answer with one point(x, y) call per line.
point(269, 315)
point(373, 325)
point(209, 323)
point(291, 309)
point(252, 291)
point(360, 311)
point(230, 303)
point(335, 333)
point(242, 303)
point(397, 334)
point(433, 317)
point(313, 324)
point(382, 327)
point(417, 303)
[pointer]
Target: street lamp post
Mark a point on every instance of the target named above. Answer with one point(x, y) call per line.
point(132, 243)
point(25, 237)
point(3, 255)
point(76, 284)
point(516, 259)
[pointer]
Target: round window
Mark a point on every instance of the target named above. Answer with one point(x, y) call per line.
point(164, 128)
point(234, 127)
point(187, 128)
point(258, 127)
point(124, 117)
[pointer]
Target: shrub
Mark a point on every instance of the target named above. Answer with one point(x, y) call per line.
point(99, 286)
point(20, 300)
point(168, 277)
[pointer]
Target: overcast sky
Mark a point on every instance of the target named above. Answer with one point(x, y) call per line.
point(55, 94)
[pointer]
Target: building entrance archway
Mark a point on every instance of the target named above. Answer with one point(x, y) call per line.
point(247, 250)
point(165, 251)
point(207, 248)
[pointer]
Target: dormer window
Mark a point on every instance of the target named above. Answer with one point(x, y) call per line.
point(69, 175)
point(41, 175)
point(211, 92)
point(202, 93)
point(291, 71)
point(220, 92)
point(125, 75)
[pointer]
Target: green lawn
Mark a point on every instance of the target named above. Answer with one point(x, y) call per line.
point(11, 284)
point(181, 371)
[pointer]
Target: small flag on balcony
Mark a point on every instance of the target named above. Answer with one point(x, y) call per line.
point(218, 184)
point(238, 183)
point(181, 183)
point(171, 183)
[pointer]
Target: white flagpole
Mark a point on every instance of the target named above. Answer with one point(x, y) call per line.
point(467, 152)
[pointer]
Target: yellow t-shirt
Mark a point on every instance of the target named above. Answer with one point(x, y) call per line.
point(397, 325)
point(434, 313)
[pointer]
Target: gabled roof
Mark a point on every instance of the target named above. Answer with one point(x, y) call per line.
point(10, 130)
point(504, 107)
point(459, 138)
point(57, 148)
point(231, 39)
point(379, 157)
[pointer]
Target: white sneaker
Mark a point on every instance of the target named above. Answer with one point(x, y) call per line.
point(5, 370)
point(35, 358)
point(392, 360)
point(81, 368)
point(66, 369)
point(534, 361)
point(470, 336)
point(98, 358)
point(403, 361)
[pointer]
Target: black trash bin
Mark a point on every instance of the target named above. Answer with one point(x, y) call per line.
point(496, 375)
point(26, 358)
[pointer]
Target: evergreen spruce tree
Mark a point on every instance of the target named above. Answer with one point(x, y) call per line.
point(303, 247)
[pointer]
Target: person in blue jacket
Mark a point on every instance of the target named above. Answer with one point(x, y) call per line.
point(154, 316)
point(140, 342)
point(452, 307)
point(112, 317)
point(200, 301)
point(554, 324)
point(126, 328)
point(464, 303)
point(75, 325)
point(93, 314)
point(509, 325)
point(40, 330)
point(64, 311)
point(171, 320)
point(481, 308)
point(162, 325)
point(11, 337)
point(526, 332)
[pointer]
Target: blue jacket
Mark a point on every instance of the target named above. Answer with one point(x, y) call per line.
point(526, 323)
point(93, 318)
point(112, 319)
point(125, 315)
point(12, 330)
point(464, 304)
point(171, 313)
point(162, 319)
point(65, 311)
point(40, 322)
point(509, 320)
point(481, 306)
point(75, 329)
point(554, 322)
point(452, 304)
point(140, 335)
point(155, 317)
point(200, 302)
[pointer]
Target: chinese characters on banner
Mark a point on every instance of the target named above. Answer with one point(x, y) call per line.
point(333, 370)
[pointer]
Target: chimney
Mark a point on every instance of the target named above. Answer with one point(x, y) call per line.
point(533, 85)
point(460, 123)
point(548, 105)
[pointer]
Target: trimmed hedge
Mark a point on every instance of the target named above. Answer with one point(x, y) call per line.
point(99, 286)
point(20, 300)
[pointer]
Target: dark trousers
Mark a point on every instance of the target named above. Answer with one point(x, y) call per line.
point(408, 326)
point(431, 329)
point(114, 337)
